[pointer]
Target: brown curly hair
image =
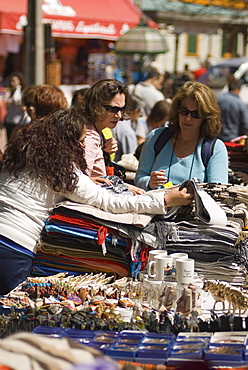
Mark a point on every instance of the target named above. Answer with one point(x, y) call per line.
point(49, 150)
point(207, 106)
point(99, 94)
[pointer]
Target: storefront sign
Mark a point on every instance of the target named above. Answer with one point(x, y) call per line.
point(76, 19)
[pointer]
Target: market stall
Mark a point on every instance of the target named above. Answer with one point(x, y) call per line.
point(149, 322)
point(82, 33)
point(122, 305)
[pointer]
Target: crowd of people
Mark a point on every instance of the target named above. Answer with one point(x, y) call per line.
point(55, 152)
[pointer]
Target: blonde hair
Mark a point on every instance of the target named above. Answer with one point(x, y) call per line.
point(207, 106)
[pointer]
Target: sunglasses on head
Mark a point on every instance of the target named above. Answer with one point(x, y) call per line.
point(114, 109)
point(118, 88)
point(185, 111)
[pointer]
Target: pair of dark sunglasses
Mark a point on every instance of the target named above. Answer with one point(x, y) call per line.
point(28, 105)
point(185, 111)
point(114, 109)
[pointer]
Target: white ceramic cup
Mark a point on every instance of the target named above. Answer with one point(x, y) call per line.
point(185, 270)
point(176, 256)
point(160, 263)
point(156, 252)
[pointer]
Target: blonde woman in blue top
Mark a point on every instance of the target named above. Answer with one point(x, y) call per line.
point(194, 116)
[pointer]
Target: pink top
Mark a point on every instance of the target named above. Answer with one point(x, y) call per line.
point(93, 152)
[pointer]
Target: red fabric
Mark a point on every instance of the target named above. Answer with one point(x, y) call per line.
point(144, 255)
point(102, 231)
point(87, 224)
point(238, 157)
point(110, 171)
point(233, 145)
point(75, 221)
point(102, 235)
point(73, 18)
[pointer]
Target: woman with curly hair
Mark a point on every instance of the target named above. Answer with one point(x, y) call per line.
point(42, 165)
point(194, 118)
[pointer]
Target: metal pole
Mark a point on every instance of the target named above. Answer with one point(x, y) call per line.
point(176, 53)
point(30, 44)
point(39, 45)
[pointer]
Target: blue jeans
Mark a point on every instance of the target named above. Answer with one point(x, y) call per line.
point(14, 268)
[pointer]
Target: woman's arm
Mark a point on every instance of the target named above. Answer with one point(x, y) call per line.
point(151, 202)
point(145, 177)
point(217, 168)
point(93, 154)
point(146, 161)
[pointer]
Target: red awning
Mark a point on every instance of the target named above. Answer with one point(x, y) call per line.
point(102, 19)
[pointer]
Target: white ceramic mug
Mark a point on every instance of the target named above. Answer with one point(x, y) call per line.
point(185, 270)
point(161, 263)
point(175, 256)
point(152, 253)
point(156, 252)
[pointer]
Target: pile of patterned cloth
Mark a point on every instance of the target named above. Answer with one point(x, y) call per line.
point(238, 154)
point(78, 238)
point(220, 251)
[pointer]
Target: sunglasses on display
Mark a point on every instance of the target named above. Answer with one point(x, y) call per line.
point(114, 109)
point(185, 111)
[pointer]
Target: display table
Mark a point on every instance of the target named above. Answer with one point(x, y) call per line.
point(116, 319)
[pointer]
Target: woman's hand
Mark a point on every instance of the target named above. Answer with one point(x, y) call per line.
point(176, 197)
point(135, 190)
point(100, 180)
point(110, 146)
point(157, 179)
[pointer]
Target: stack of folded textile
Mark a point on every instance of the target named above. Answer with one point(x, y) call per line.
point(238, 156)
point(80, 239)
point(212, 248)
point(220, 251)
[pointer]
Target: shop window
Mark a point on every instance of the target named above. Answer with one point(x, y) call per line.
point(192, 45)
point(224, 43)
point(229, 45)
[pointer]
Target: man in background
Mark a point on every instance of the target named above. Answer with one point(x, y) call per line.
point(148, 91)
point(234, 113)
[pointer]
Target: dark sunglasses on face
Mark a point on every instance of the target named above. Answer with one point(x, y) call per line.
point(114, 109)
point(185, 111)
point(28, 105)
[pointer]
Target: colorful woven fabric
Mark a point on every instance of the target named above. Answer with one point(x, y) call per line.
point(238, 157)
point(76, 244)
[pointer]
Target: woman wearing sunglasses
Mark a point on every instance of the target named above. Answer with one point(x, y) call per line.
point(104, 105)
point(42, 165)
point(194, 116)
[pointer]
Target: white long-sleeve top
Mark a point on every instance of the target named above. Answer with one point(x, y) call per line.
point(25, 204)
